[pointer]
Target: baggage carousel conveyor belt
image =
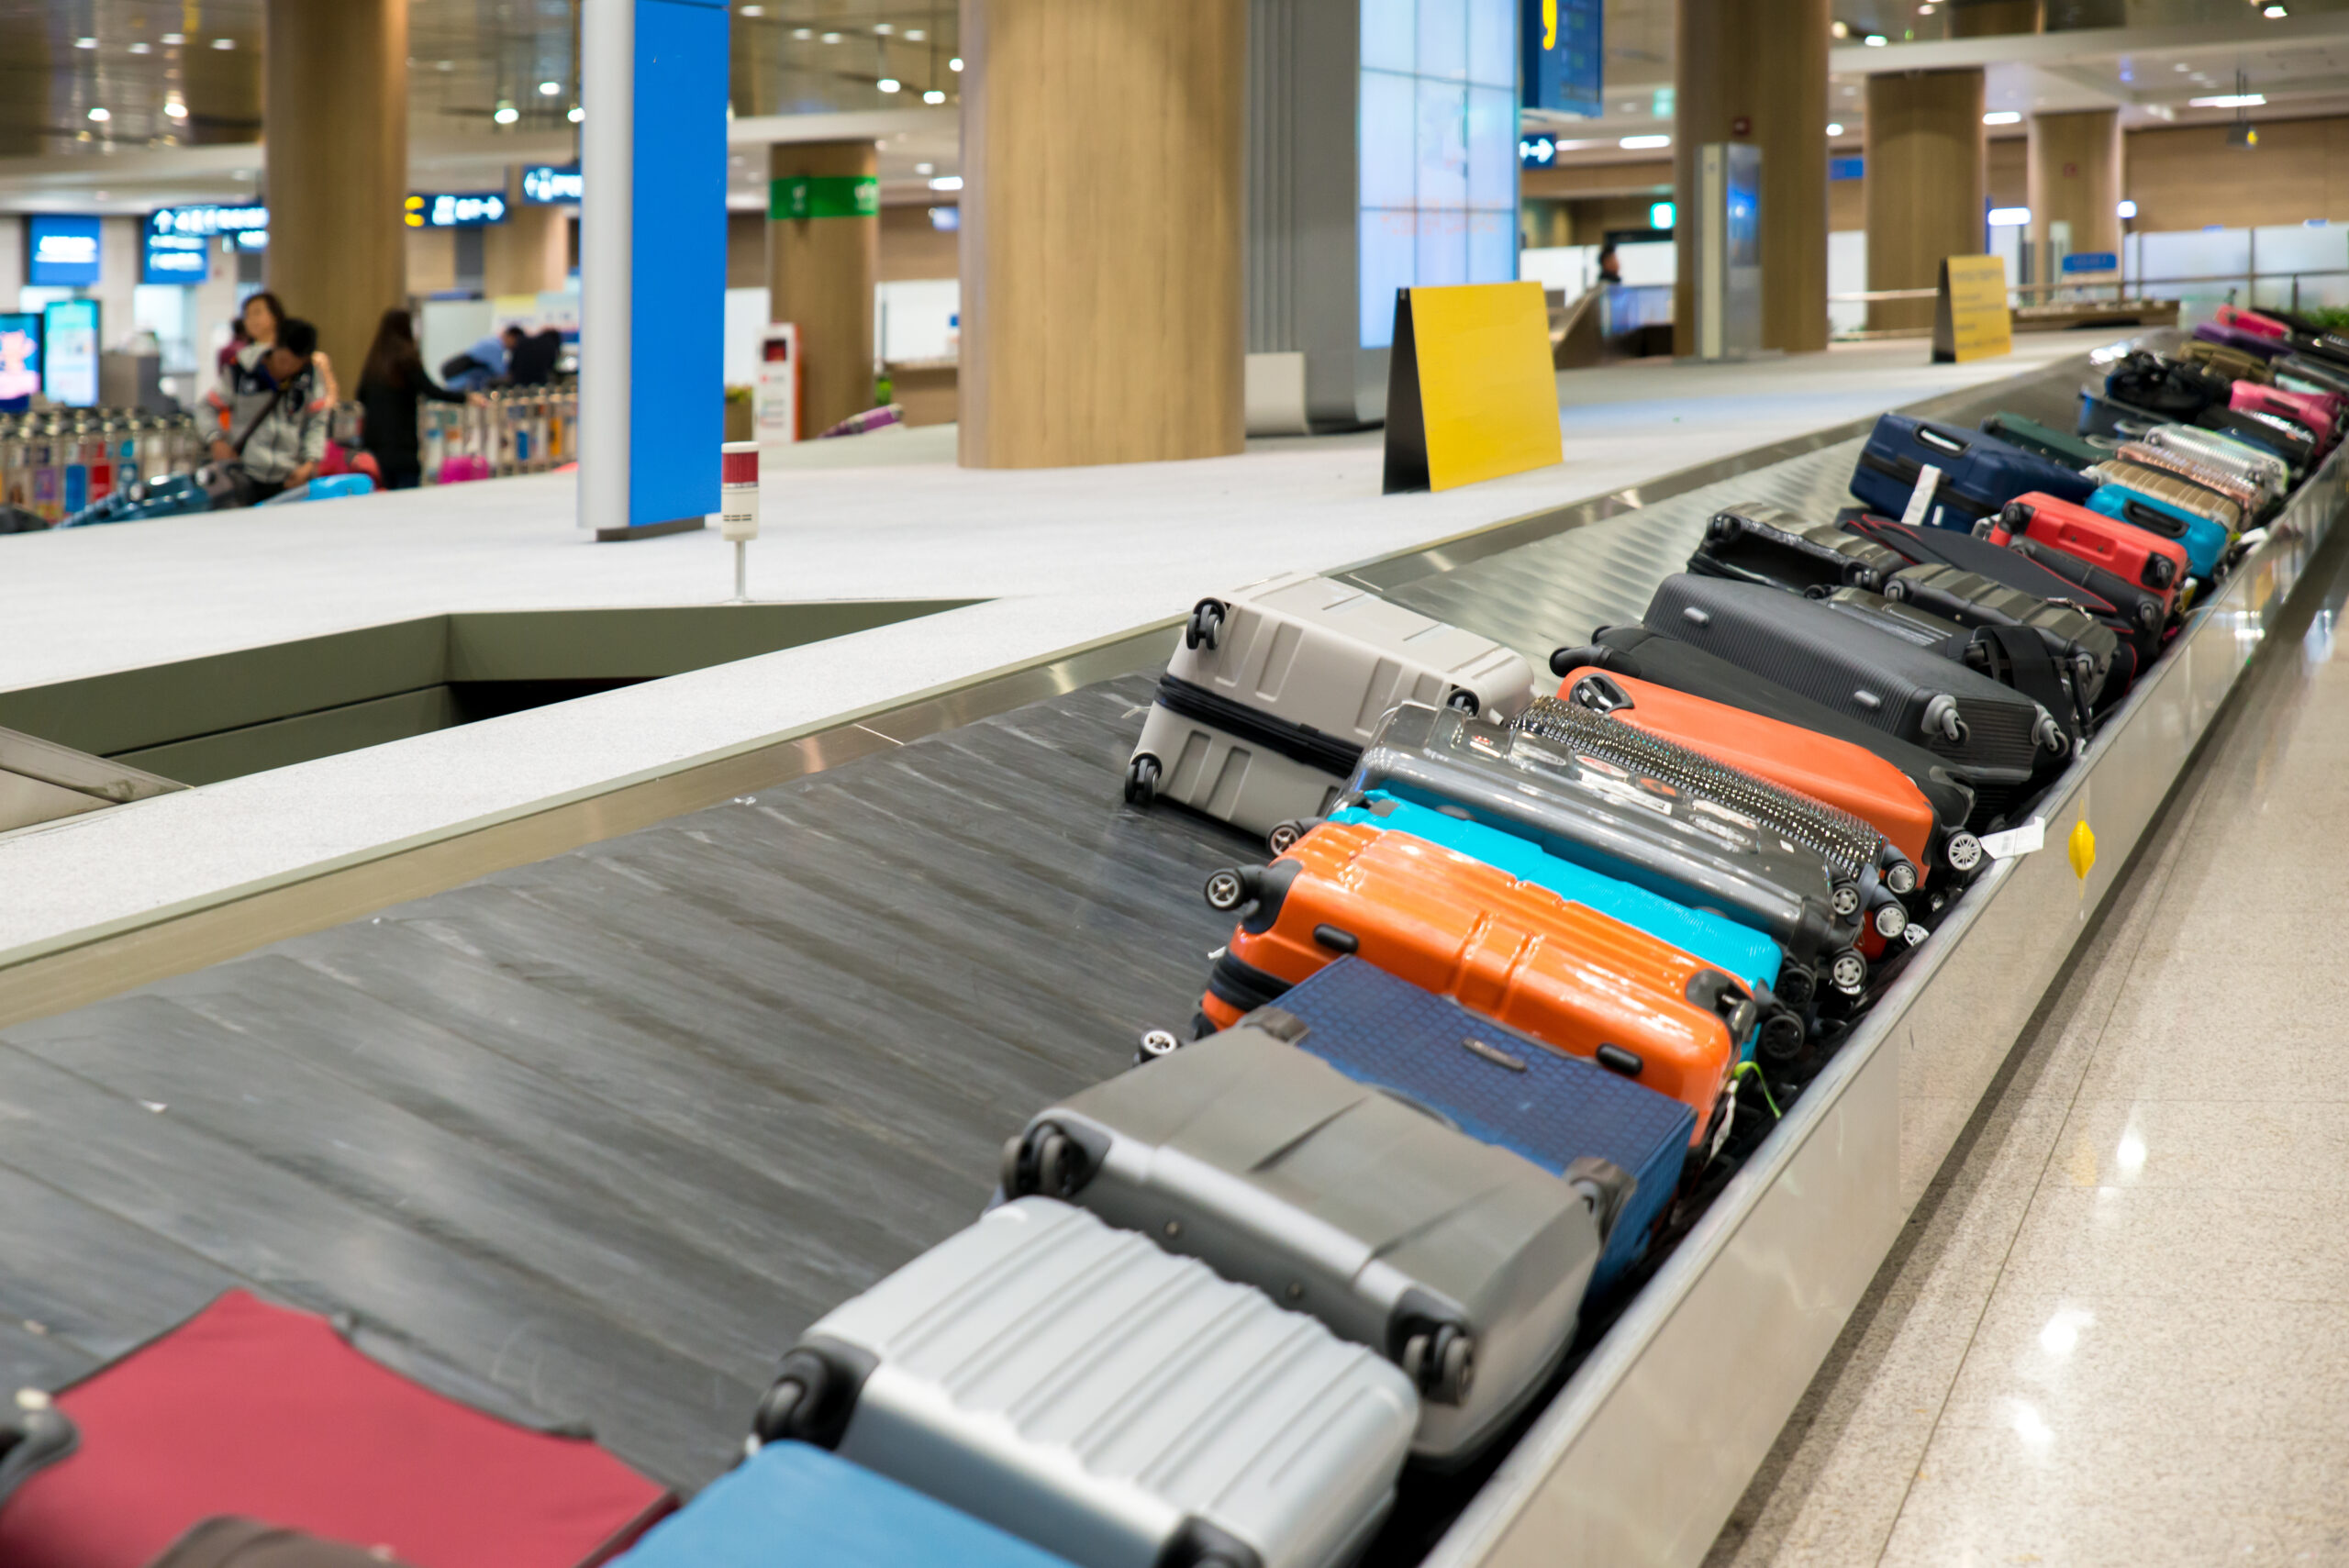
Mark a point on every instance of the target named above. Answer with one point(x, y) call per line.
point(590, 1140)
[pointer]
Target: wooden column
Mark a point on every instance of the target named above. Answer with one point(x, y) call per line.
point(337, 149)
point(1926, 160)
point(821, 277)
point(1762, 65)
point(1102, 200)
point(2076, 180)
point(1989, 18)
point(530, 251)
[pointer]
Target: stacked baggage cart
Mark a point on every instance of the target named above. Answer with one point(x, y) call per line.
point(1526, 974)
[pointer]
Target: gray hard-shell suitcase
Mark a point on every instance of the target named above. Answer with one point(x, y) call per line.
point(2014, 656)
point(2260, 467)
point(1752, 541)
point(1463, 1261)
point(1622, 823)
point(1275, 688)
point(1105, 1399)
point(1988, 731)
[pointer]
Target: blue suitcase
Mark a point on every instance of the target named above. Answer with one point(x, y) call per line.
point(794, 1506)
point(1980, 473)
point(1548, 1106)
point(1741, 950)
point(173, 495)
point(2204, 539)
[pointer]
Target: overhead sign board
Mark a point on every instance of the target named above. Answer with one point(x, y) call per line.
point(2091, 262)
point(456, 209)
point(250, 224)
point(546, 184)
point(1563, 44)
point(60, 252)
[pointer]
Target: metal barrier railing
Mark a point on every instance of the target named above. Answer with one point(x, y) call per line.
point(2121, 289)
point(524, 430)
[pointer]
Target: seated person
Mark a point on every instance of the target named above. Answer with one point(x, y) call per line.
point(277, 430)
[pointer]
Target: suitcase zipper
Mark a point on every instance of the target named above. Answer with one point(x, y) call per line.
point(1298, 742)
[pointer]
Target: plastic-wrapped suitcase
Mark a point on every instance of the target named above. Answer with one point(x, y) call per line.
point(1635, 651)
point(1986, 732)
point(2055, 446)
point(1833, 772)
point(1575, 979)
point(2265, 469)
point(2163, 504)
point(1620, 820)
point(1496, 1085)
point(1754, 542)
point(2141, 571)
point(1460, 1261)
point(1860, 858)
point(794, 1503)
point(1979, 474)
point(1275, 688)
point(1746, 954)
point(1111, 1403)
point(2319, 413)
point(2220, 359)
point(2249, 499)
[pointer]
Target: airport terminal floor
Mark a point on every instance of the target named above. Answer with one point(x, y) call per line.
point(578, 1057)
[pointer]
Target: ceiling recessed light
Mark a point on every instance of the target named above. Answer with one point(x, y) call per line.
point(2010, 217)
point(2127, 209)
point(933, 96)
point(2181, 66)
point(176, 38)
point(1834, 130)
point(224, 43)
point(549, 89)
point(506, 114)
point(142, 47)
point(85, 43)
point(946, 183)
point(1841, 30)
point(1641, 143)
point(925, 168)
point(831, 37)
point(888, 83)
point(100, 116)
point(955, 63)
point(1875, 40)
point(883, 28)
point(2002, 116)
point(754, 10)
point(914, 35)
point(2273, 12)
point(803, 34)
point(2229, 101)
point(576, 115)
point(175, 110)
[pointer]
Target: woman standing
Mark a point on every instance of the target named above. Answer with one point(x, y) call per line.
point(389, 384)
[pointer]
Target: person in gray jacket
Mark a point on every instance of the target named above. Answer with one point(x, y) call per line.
point(276, 438)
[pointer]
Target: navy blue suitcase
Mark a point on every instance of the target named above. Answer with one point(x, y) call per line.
point(1980, 473)
point(794, 1506)
point(1548, 1106)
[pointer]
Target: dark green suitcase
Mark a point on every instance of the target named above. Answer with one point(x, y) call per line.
point(2072, 451)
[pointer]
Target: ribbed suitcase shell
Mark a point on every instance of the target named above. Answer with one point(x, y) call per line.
point(1617, 820)
point(1635, 651)
point(1979, 472)
point(1553, 1109)
point(1340, 1200)
point(1847, 665)
point(1090, 1393)
point(1753, 542)
point(2203, 538)
point(1832, 772)
point(2220, 359)
point(2318, 412)
point(2118, 560)
point(1855, 851)
point(1260, 727)
point(2183, 494)
point(1745, 953)
point(2073, 637)
point(2285, 437)
point(2270, 472)
point(2251, 321)
point(793, 1503)
point(2248, 498)
point(1563, 974)
point(2302, 372)
point(1970, 552)
point(2031, 435)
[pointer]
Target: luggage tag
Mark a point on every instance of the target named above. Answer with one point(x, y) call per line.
point(1921, 499)
point(2014, 841)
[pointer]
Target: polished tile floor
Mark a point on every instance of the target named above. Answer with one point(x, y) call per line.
point(2117, 1330)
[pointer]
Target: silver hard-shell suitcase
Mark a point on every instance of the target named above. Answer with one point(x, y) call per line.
point(1463, 1261)
point(1275, 689)
point(2271, 474)
point(1106, 1400)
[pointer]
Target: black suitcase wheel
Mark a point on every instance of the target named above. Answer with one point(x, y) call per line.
point(1782, 1037)
point(1464, 701)
point(1141, 781)
point(1230, 888)
point(1205, 627)
point(1043, 1160)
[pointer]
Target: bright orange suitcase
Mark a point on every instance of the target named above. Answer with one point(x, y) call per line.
point(1578, 981)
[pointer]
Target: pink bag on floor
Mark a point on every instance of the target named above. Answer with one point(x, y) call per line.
point(462, 468)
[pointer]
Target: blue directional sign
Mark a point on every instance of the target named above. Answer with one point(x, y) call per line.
point(1562, 43)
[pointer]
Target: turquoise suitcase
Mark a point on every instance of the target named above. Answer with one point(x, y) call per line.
point(2204, 539)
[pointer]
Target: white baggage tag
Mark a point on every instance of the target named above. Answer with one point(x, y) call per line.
point(2022, 840)
point(1921, 499)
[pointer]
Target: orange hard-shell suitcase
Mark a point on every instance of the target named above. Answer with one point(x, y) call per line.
point(1850, 778)
point(1578, 981)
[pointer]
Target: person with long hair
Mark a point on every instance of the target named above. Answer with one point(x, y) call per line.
point(389, 384)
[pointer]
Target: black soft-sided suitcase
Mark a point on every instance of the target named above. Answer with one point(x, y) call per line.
point(1986, 730)
point(1755, 542)
point(1636, 652)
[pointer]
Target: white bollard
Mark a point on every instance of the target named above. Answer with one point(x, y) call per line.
point(738, 507)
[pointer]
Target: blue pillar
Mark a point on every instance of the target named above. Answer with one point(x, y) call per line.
point(653, 263)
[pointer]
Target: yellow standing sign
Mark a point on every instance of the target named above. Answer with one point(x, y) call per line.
point(1471, 394)
point(1971, 320)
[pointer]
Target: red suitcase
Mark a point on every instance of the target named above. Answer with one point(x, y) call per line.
point(2126, 551)
point(1579, 982)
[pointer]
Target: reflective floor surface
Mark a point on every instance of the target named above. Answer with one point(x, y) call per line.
point(2113, 1332)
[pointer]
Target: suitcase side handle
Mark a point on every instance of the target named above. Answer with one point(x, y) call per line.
point(1951, 445)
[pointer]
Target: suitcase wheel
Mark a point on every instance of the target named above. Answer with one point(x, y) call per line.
point(1156, 1045)
point(1964, 851)
point(1043, 1160)
point(1284, 835)
point(1901, 877)
point(1845, 899)
point(1782, 1037)
point(809, 1401)
point(1230, 888)
point(1797, 985)
point(1142, 780)
point(1465, 701)
point(1205, 627)
point(1891, 919)
point(1848, 971)
point(1441, 1361)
